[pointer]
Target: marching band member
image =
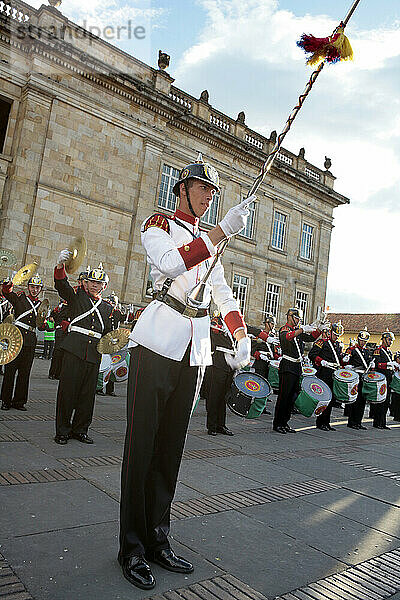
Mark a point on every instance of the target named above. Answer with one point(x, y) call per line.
point(170, 348)
point(267, 342)
point(78, 378)
point(25, 310)
point(359, 357)
point(61, 318)
point(217, 379)
point(116, 318)
point(326, 356)
point(385, 364)
point(292, 337)
point(395, 396)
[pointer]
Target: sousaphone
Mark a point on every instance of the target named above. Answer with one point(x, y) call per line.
point(78, 247)
point(42, 312)
point(114, 341)
point(10, 342)
point(24, 274)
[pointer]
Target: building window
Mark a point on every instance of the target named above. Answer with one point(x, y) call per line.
point(210, 217)
point(306, 241)
point(302, 302)
point(248, 231)
point(272, 299)
point(5, 108)
point(239, 288)
point(279, 230)
point(166, 197)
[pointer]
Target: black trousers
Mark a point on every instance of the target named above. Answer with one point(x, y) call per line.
point(379, 411)
point(219, 383)
point(325, 417)
point(22, 365)
point(56, 359)
point(76, 391)
point(356, 409)
point(288, 391)
point(395, 406)
point(48, 348)
point(160, 397)
point(261, 367)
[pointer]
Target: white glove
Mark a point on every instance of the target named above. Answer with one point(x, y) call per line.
point(346, 358)
point(372, 364)
point(64, 256)
point(324, 326)
point(308, 328)
point(273, 340)
point(391, 364)
point(235, 219)
point(242, 356)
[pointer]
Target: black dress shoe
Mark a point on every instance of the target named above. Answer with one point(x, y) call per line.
point(353, 426)
point(383, 427)
point(289, 429)
point(362, 427)
point(170, 561)
point(111, 394)
point(5, 406)
point(266, 412)
point(280, 429)
point(224, 430)
point(81, 437)
point(19, 407)
point(61, 439)
point(324, 427)
point(211, 432)
point(100, 393)
point(330, 428)
point(137, 571)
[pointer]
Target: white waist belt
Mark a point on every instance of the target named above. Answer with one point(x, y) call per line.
point(25, 326)
point(87, 332)
point(295, 360)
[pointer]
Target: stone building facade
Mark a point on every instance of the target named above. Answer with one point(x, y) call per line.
point(91, 140)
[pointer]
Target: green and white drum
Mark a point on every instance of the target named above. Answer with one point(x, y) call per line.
point(374, 387)
point(395, 383)
point(309, 371)
point(273, 374)
point(104, 372)
point(345, 385)
point(314, 397)
point(120, 365)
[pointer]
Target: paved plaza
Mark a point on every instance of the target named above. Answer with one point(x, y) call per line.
point(311, 516)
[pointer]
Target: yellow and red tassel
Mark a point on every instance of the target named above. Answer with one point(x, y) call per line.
point(332, 49)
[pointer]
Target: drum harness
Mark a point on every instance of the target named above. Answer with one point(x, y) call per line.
point(290, 358)
point(82, 330)
point(389, 359)
point(334, 354)
point(27, 312)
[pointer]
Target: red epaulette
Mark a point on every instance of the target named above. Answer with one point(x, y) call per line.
point(319, 343)
point(285, 328)
point(157, 220)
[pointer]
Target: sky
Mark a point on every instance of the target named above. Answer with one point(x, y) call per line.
point(244, 53)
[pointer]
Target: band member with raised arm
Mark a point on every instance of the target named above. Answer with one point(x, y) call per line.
point(80, 365)
point(292, 337)
point(25, 310)
point(385, 364)
point(170, 349)
point(359, 357)
point(326, 356)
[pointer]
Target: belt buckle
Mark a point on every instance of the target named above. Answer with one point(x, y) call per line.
point(189, 311)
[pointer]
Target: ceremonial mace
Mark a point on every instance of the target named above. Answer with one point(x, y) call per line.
point(331, 49)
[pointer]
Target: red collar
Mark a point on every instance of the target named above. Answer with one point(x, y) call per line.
point(184, 217)
point(33, 298)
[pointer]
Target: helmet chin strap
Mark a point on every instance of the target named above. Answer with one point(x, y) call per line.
point(185, 183)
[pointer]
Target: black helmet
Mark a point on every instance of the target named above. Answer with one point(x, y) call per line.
point(337, 328)
point(364, 335)
point(198, 170)
point(36, 280)
point(97, 275)
point(295, 312)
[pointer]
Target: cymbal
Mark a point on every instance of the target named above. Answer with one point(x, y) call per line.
point(78, 247)
point(42, 311)
point(7, 258)
point(10, 342)
point(25, 273)
point(114, 341)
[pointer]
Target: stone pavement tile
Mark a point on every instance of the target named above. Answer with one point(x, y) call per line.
point(342, 434)
point(197, 442)
point(316, 467)
point(33, 508)
point(373, 513)
point(210, 479)
point(185, 492)
point(336, 536)
point(259, 470)
point(380, 488)
point(22, 456)
point(382, 448)
point(106, 478)
point(377, 459)
point(266, 559)
point(81, 564)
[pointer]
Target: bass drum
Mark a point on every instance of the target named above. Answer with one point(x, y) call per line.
point(395, 383)
point(374, 387)
point(314, 397)
point(345, 385)
point(248, 394)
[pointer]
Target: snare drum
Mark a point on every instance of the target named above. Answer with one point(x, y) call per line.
point(345, 385)
point(248, 395)
point(374, 387)
point(314, 397)
point(395, 383)
point(309, 371)
point(273, 374)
